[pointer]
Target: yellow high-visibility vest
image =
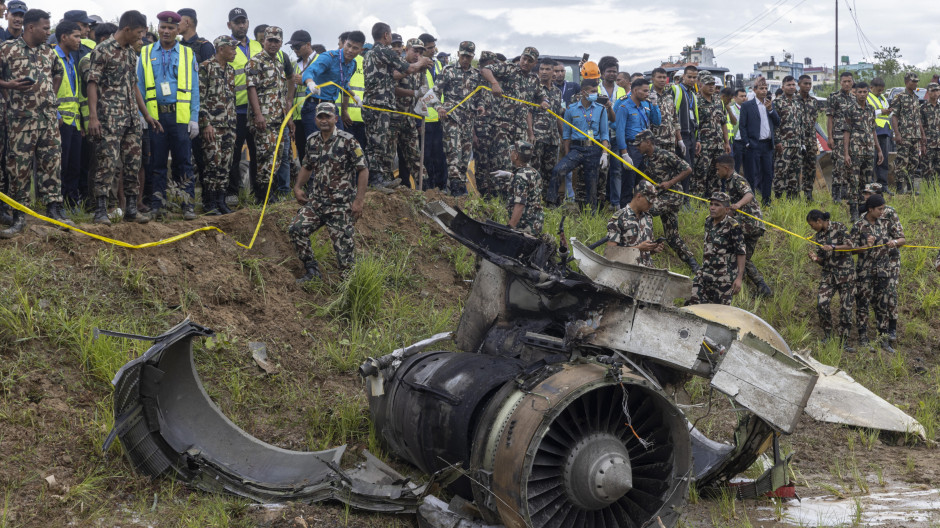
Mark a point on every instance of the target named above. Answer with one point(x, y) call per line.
point(879, 103)
point(677, 93)
point(620, 92)
point(89, 43)
point(239, 64)
point(357, 86)
point(68, 97)
point(184, 83)
point(299, 93)
point(82, 96)
point(432, 112)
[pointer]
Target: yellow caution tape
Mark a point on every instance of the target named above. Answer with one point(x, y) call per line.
point(16, 205)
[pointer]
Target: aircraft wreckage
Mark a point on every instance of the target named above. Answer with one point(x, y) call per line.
point(555, 412)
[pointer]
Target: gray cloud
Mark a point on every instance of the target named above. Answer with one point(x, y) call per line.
point(639, 34)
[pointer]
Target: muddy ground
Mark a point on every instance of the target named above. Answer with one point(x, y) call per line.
point(52, 423)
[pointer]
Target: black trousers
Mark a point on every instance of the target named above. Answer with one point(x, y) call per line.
point(242, 135)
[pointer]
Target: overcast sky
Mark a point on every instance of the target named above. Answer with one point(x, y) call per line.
point(641, 37)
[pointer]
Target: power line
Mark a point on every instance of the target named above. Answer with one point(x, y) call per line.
point(862, 45)
point(772, 22)
point(725, 39)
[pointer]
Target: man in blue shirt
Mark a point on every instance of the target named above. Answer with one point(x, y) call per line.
point(634, 115)
point(69, 36)
point(168, 76)
point(338, 66)
point(578, 149)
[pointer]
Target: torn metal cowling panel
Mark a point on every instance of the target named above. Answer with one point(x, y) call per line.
point(168, 425)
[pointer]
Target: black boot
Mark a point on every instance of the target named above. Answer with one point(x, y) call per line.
point(55, 211)
point(101, 211)
point(809, 196)
point(862, 338)
point(131, 214)
point(19, 222)
point(837, 193)
point(210, 205)
point(827, 335)
point(693, 265)
point(893, 330)
point(853, 211)
point(220, 202)
point(6, 218)
point(884, 341)
point(313, 272)
point(763, 290)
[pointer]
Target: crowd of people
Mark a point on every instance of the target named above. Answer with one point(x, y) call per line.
point(94, 112)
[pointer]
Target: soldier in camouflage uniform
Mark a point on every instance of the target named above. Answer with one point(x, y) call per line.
point(114, 106)
point(871, 235)
point(335, 195)
point(379, 69)
point(723, 258)
point(743, 200)
point(217, 122)
point(632, 226)
point(668, 170)
point(513, 120)
point(788, 139)
point(32, 116)
point(838, 273)
point(909, 136)
point(860, 142)
point(403, 134)
point(547, 127)
point(712, 134)
point(809, 146)
point(267, 106)
point(667, 131)
point(457, 82)
point(835, 112)
point(930, 120)
point(524, 206)
point(896, 233)
point(484, 134)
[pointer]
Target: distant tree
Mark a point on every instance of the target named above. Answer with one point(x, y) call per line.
point(888, 60)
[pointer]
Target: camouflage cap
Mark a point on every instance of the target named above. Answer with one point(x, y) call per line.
point(911, 76)
point(273, 32)
point(872, 188)
point(467, 48)
point(641, 136)
point(531, 52)
point(416, 43)
point(486, 56)
point(721, 197)
point(326, 108)
point(647, 189)
point(524, 147)
point(706, 78)
point(933, 86)
point(224, 40)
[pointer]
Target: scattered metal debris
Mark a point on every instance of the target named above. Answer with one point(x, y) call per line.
point(554, 413)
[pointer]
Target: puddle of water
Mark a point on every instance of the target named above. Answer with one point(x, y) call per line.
point(895, 506)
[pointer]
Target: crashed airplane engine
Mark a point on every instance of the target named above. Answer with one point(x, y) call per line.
point(556, 410)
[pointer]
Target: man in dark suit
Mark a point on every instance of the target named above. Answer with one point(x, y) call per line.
point(757, 123)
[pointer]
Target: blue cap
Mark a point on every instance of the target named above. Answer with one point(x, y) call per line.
point(17, 6)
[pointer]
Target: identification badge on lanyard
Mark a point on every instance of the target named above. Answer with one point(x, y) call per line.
point(590, 133)
point(165, 89)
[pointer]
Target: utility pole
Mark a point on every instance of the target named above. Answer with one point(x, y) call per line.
point(837, 44)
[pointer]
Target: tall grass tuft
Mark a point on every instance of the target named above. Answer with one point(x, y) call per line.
point(361, 292)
